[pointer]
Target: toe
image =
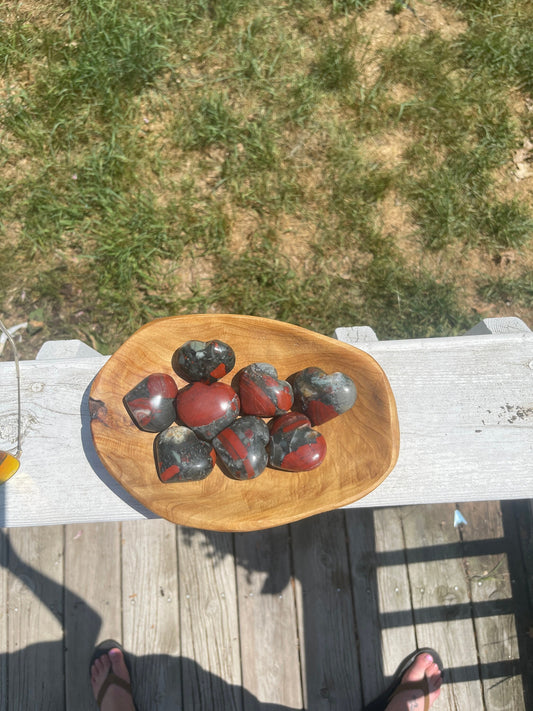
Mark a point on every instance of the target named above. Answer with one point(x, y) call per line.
point(118, 665)
point(419, 667)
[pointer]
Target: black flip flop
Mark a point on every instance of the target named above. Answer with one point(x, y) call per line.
point(383, 700)
point(112, 678)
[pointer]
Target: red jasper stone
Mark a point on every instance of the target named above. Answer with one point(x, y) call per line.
point(202, 361)
point(320, 396)
point(261, 392)
point(207, 409)
point(151, 402)
point(241, 448)
point(294, 445)
point(181, 456)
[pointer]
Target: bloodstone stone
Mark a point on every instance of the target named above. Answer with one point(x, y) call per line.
point(241, 448)
point(207, 409)
point(294, 445)
point(322, 397)
point(151, 402)
point(261, 392)
point(181, 456)
point(197, 361)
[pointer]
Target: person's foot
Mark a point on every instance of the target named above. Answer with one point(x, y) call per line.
point(427, 674)
point(115, 698)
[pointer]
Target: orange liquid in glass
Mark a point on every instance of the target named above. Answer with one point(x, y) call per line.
point(8, 466)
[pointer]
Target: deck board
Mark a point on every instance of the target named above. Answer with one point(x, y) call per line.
point(209, 621)
point(150, 605)
point(314, 615)
point(268, 629)
point(326, 613)
point(35, 609)
point(440, 600)
point(92, 602)
point(381, 590)
point(496, 633)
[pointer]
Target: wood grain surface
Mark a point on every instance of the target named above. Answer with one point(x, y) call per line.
point(363, 444)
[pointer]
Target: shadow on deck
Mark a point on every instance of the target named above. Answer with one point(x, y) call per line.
point(314, 615)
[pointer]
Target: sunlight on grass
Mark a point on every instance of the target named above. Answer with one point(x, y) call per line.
point(232, 156)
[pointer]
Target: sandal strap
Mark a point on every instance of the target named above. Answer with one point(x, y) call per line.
point(421, 685)
point(112, 679)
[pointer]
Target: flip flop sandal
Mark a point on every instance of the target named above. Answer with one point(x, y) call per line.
point(112, 678)
point(396, 686)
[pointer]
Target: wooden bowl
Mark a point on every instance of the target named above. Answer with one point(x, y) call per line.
point(363, 443)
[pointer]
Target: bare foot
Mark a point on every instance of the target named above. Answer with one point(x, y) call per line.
point(412, 699)
point(115, 698)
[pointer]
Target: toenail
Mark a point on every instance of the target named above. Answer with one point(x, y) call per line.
point(429, 658)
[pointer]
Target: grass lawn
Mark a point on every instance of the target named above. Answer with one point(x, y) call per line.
point(323, 162)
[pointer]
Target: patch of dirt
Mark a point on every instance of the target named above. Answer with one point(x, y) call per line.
point(509, 264)
point(396, 221)
point(46, 13)
point(381, 29)
point(296, 237)
point(387, 149)
point(419, 18)
point(193, 272)
point(244, 226)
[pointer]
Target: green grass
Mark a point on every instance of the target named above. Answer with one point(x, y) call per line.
point(233, 156)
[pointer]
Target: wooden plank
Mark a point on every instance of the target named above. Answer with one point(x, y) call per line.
point(462, 403)
point(35, 629)
point(4, 650)
point(382, 594)
point(490, 584)
point(92, 602)
point(267, 614)
point(151, 612)
point(517, 518)
point(54, 411)
point(465, 414)
point(211, 667)
point(441, 601)
point(330, 663)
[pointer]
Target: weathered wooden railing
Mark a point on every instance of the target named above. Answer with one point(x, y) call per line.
point(465, 406)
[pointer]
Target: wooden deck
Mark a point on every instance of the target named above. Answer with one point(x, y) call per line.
point(314, 615)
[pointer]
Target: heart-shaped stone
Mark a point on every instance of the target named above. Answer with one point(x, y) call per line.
point(261, 392)
point(322, 397)
point(207, 409)
point(181, 456)
point(294, 445)
point(151, 403)
point(206, 362)
point(241, 448)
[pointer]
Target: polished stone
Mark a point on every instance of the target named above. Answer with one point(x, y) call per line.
point(261, 392)
point(294, 445)
point(206, 362)
point(320, 396)
point(207, 409)
point(151, 402)
point(241, 448)
point(181, 456)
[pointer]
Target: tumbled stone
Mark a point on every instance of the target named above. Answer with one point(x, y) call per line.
point(151, 402)
point(206, 362)
point(207, 409)
point(181, 456)
point(261, 392)
point(241, 448)
point(294, 445)
point(322, 397)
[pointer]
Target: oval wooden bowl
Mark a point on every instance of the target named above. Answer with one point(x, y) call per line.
point(363, 444)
